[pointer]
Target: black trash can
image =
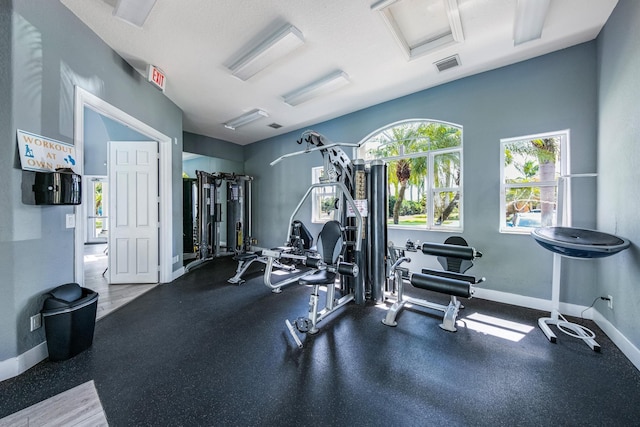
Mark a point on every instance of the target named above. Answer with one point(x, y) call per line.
point(69, 315)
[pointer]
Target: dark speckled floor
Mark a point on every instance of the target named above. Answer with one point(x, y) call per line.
point(203, 352)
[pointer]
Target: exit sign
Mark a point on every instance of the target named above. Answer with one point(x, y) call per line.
point(157, 77)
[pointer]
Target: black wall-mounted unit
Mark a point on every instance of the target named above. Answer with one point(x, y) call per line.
point(58, 188)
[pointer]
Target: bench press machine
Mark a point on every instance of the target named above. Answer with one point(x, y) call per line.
point(455, 256)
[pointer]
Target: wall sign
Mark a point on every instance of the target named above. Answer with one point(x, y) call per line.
point(39, 153)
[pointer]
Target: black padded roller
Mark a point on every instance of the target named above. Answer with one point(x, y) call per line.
point(348, 269)
point(452, 251)
point(312, 262)
point(443, 285)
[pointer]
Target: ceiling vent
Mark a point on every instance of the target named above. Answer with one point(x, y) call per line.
point(275, 125)
point(447, 63)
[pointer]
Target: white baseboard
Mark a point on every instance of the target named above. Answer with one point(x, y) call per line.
point(16, 365)
point(535, 303)
point(627, 347)
point(179, 272)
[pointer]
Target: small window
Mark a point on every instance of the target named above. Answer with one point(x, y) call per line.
point(323, 201)
point(424, 169)
point(531, 167)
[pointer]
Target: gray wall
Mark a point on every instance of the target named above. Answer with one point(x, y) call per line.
point(550, 93)
point(212, 147)
point(53, 51)
point(211, 164)
point(98, 131)
point(619, 163)
point(10, 179)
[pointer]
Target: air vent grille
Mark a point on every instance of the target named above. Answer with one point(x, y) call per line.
point(447, 63)
point(275, 125)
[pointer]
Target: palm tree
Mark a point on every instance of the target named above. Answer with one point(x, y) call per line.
point(416, 138)
point(446, 167)
point(395, 142)
point(545, 152)
point(403, 173)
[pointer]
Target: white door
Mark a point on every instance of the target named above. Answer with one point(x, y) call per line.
point(133, 212)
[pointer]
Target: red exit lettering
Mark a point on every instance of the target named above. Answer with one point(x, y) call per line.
point(157, 77)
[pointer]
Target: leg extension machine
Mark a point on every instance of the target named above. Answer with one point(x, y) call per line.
point(452, 283)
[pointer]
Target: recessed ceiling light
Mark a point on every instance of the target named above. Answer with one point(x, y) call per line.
point(317, 88)
point(245, 119)
point(279, 44)
point(529, 21)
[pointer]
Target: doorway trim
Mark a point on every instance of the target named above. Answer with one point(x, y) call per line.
point(84, 99)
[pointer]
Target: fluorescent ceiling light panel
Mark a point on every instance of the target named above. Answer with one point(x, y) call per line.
point(421, 26)
point(325, 85)
point(245, 119)
point(134, 11)
point(279, 44)
point(530, 16)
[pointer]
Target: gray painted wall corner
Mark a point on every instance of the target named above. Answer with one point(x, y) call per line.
point(619, 163)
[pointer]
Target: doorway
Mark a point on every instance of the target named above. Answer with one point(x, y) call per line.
point(85, 99)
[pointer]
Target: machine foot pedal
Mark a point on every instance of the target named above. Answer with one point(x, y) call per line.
point(303, 324)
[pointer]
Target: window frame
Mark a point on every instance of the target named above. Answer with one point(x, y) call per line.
point(560, 193)
point(316, 210)
point(430, 189)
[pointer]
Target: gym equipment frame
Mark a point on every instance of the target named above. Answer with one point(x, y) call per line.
point(344, 257)
point(209, 216)
point(447, 282)
point(300, 243)
point(331, 246)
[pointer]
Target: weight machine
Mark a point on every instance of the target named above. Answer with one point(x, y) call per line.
point(340, 258)
point(299, 245)
point(357, 274)
point(455, 257)
point(208, 235)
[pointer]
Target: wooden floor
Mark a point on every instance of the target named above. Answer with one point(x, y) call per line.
point(111, 297)
point(79, 406)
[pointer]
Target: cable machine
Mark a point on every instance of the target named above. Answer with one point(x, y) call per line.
point(209, 231)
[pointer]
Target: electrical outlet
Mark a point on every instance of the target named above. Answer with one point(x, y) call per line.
point(610, 302)
point(36, 322)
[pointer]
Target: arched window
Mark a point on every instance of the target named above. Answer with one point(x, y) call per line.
point(424, 160)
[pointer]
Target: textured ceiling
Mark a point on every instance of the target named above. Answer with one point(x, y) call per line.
point(193, 42)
